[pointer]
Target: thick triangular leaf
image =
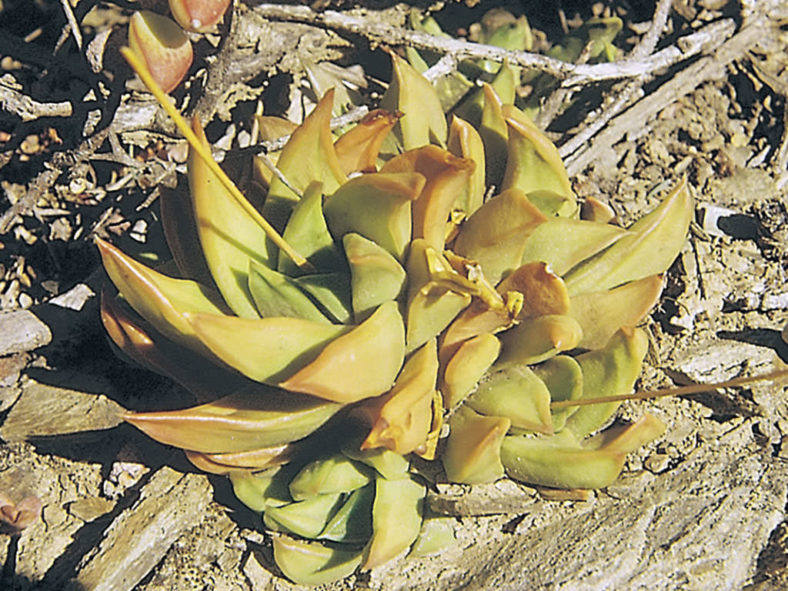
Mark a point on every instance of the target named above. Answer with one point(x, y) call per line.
point(261, 490)
point(264, 349)
point(562, 243)
point(352, 523)
point(563, 377)
point(473, 450)
point(228, 235)
point(401, 418)
point(149, 348)
point(253, 418)
point(517, 394)
point(495, 235)
point(410, 93)
point(651, 246)
point(377, 206)
point(465, 142)
point(358, 148)
point(361, 364)
point(305, 518)
point(537, 339)
point(376, 276)
point(447, 177)
point(277, 295)
point(311, 563)
point(308, 234)
point(161, 300)
point(396, 519)
point(329, 475)
point(331, 291)
point(608, 372)
point(463, 371)
point(601, 314)
point(559, 461)
point(307, 157)
point(533, 163)
point(495, 134)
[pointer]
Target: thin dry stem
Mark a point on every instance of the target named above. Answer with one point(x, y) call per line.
point(205, 154)
point(680, 391)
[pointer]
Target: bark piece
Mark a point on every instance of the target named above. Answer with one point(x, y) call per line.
point(137, 540)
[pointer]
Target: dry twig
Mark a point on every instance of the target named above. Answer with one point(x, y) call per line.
point(570, 74)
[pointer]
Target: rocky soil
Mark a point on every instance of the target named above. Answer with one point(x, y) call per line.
point(83, 154)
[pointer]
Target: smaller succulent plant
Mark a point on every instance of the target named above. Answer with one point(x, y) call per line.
point(164, 46)
point(379, 292)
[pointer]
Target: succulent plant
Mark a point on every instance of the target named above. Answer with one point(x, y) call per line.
point(164, 46)
point(332, 331)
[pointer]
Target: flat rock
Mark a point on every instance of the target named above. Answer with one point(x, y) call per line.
point(44, 410)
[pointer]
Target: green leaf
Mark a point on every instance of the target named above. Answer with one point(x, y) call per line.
point(537, 339)
point(608, 372)
point(401, 419)
point(253, 418)
point(161, 300)
point(360, 364)
point(517, 394)
point(329, 475)
point(378, 207)
point(495, 134)
point(311, 563)
point(306, 231)
point(353, 522)
point(601, 314)
point(264, 349)
point(260, 490)
point(331, 291)
point(385, 462)
point(307, 157)
point(228, 235)
point(277, 295)
point(534, 165)
point(563, 377)
point(495, 235)
point(376, 276)
point(652, 244)
point(559, 461)
point(472, 454)
point(447, 177)
point(465, 142)
point(562, 243)
point(463, 371)
point(396, 519)
point(305, 518)
point(410, 93)
point(358, 148)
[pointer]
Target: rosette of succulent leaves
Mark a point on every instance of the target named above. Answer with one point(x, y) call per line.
point(416, 286)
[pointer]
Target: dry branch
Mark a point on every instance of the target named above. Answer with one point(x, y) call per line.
point(570, 74)
point(708, 68)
